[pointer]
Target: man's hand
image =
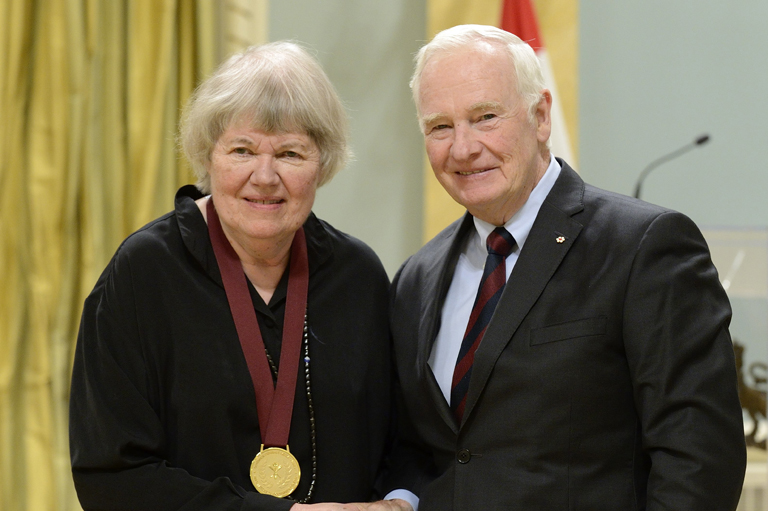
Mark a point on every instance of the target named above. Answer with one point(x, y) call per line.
point(387, 505)
point(381, 505)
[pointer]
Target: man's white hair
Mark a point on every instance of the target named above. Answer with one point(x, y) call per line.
point(527, 69)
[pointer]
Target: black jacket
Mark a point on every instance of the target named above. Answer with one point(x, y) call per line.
point(163, 412)
point(604, 382)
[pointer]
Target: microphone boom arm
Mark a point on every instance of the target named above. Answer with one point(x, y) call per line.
point(703, 139)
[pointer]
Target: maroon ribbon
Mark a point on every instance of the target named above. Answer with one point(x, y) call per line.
point(273, 403)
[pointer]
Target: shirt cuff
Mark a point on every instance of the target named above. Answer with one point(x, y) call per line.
point(405, 495)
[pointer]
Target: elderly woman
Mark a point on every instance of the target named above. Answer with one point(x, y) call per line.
point(234, 353)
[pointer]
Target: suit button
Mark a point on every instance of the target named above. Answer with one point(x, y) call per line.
point(463, 456)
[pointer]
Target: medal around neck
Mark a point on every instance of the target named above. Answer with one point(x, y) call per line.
point(275, 471)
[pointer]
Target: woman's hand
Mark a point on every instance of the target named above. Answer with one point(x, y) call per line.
point(381, 505)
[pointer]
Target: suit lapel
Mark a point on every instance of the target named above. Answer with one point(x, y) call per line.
point(437, 280)
point(551, 237)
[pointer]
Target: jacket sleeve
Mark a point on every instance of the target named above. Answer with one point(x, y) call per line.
point(409, 466)
point(682, 365)
point(117, 438)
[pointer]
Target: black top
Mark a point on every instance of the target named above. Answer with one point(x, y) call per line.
point(162, 409)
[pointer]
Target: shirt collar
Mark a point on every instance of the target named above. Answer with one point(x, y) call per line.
point(519, 226)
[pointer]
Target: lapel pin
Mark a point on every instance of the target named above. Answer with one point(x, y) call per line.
point(560, 239)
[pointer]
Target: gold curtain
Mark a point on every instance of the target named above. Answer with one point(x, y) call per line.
point(558, 22)
point(90, 93)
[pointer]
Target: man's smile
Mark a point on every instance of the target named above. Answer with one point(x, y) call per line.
point(472, 172)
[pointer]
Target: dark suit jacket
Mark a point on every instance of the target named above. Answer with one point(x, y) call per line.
point(606, 378)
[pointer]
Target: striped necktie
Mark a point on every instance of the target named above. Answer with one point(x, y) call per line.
point(499, 243)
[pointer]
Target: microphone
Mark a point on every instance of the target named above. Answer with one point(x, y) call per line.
point(700, 140)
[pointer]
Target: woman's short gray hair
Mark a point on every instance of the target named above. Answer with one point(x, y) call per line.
point(530, 80)
point(277, 87)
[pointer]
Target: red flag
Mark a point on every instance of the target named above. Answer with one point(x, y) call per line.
point(519, 18)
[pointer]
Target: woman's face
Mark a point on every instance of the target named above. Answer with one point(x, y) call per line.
point(263, 184)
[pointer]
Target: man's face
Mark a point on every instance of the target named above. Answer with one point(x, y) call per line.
point(483, 149)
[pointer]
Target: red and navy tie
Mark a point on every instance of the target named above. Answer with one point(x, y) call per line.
point(499, 243)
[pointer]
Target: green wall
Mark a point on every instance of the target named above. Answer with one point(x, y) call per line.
point(366, 48)
point(654, 74)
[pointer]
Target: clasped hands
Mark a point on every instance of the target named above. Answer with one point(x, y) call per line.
point(381, 505)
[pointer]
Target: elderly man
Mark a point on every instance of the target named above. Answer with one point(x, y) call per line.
point(559, 347)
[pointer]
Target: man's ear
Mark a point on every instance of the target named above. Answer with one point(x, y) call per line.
point(544, 116)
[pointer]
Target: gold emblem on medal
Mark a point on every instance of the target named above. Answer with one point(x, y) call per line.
point(275, 471)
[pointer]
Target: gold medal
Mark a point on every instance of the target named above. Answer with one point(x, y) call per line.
point(274, 471)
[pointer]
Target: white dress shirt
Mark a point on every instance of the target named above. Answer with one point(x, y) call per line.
point(469, 271)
